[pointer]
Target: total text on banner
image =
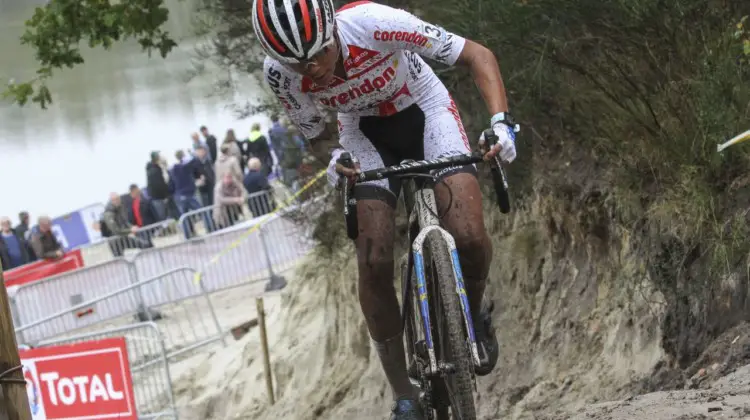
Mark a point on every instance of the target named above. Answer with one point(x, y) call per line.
point(83, 381)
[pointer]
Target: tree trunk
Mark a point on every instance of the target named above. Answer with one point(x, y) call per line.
point(14, 403)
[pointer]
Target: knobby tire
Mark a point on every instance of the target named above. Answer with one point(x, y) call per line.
point(460, 384)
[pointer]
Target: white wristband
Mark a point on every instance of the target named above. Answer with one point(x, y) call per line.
point(499, 117)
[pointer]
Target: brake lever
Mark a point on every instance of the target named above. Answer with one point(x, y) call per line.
point(499, 179)
point(350, 202)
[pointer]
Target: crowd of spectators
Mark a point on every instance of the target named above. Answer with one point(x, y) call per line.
point(223, 175)
point(24, 244)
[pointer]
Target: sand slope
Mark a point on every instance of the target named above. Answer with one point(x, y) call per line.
point(578, 321)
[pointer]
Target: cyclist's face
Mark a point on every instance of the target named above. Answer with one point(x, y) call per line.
point(321, 66)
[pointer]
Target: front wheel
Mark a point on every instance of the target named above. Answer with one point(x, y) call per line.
point(451, 342)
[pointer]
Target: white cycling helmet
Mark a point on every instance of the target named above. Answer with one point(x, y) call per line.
point(293, 30)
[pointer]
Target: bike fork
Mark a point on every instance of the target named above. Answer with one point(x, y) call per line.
point(418, 247)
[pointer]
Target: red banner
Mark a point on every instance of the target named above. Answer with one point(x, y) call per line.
point(89, 380)
point(41, 269)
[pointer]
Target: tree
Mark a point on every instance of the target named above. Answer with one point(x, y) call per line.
point(230, 50)
point(57, 29)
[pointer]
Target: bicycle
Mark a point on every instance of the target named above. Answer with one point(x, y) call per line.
point(444, 372)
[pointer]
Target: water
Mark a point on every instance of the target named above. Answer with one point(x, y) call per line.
point(107, 117)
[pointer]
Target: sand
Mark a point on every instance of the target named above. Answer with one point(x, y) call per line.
point(323, 368)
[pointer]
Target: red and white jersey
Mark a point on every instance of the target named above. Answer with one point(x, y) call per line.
point(385, 73)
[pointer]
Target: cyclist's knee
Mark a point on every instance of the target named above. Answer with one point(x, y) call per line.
point(375, 241)
point(375, 263)
point(475, 251)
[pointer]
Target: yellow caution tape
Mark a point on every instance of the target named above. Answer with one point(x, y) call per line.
point(199, 274)
point(737, 139)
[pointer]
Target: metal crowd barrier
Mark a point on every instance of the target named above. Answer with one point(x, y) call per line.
point(195, 223)
point(243, 258)
point(150, 236)
point(202, 222)
point(149, 367)
point(41, 299)
point(180, 301)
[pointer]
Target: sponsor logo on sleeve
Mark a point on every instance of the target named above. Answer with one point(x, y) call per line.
point(273, 77)
point(444, 53)
point(402, 36)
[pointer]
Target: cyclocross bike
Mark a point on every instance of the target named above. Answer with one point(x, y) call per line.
point(439, 334)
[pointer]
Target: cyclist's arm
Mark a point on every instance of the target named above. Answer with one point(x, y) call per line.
point(301, 109)
point(324, 143)
point(486, 73)
point(397, 29)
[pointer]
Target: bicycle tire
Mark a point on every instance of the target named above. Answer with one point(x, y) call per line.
point(409, 327)
point(452, 333)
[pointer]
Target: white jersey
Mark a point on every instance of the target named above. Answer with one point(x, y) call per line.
point(385, 73)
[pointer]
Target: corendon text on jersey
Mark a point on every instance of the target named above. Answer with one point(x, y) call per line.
point(365, 88)
point(411, 37)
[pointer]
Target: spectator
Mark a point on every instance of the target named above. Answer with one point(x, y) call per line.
point(227, 164)
point(257, 146)
point(277, 137)
point(117, 224)
point(43, 241)
point(13, 247)
point(141, 209)
point(228, 197)
point(184, 174)
point(236, 149)
point(24, 230)
point(292, 157)
point(255, 184)
point(23, 225)
point(197, 142)
point(207, 178)
point(157, 183)
point(211, 143)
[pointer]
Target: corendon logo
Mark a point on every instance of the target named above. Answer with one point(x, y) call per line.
point(367, 87)
point(410, 37)
point(83, 381)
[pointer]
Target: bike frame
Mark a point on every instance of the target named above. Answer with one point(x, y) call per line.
point(423, 212)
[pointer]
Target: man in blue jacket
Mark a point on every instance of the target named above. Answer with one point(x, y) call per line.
point(13, 247)
point(182, 178)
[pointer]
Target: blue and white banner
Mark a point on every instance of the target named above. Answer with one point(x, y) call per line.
point(77, 228)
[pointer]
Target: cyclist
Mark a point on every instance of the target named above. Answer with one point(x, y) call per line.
point(363, 61)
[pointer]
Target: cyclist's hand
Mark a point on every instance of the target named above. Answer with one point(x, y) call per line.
point(350, 173)
point(336, 170)
point(505, 146)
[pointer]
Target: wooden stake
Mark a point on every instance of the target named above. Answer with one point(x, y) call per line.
point(264, 347)
point(14, 403)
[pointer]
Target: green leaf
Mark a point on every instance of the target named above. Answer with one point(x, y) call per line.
point(55, 31)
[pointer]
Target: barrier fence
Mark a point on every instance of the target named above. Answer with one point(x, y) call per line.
point(199, 222)
point(155, 235)
point(183, 302)
point(251, 252)
point(42, 299)
point(149, 367)
point(214, 218)
point(74, 300)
